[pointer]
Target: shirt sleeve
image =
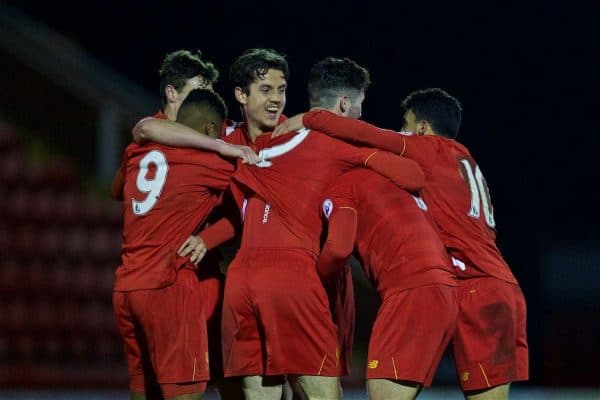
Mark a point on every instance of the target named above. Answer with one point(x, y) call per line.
point(225, 228)
point(403, 172)
point(340, 210)
point(118, 182)
point(355, 131)
point(211, 170)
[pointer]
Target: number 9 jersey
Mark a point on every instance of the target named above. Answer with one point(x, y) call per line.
point(168, 192)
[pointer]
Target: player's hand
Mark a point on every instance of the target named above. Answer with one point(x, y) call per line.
point(247, 155)
point(194, 247)
point(291, 124)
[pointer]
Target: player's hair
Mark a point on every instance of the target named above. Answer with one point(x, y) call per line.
point(436, 106)
point(333, 77)
point(254, 64)
point(181, 65)
point(202, 100)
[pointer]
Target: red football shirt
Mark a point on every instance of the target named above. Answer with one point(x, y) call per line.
point(168, 192)
point(398, 244)
point(456, 192)
point(284, 193)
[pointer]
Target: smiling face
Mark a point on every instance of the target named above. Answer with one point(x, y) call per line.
point(264, 101)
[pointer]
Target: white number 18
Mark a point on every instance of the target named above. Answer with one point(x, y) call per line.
point(151, 186)
point(480, 195)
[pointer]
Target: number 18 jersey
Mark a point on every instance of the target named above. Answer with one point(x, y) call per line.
point(168, 192)
point(455, 190)
point(459, 201)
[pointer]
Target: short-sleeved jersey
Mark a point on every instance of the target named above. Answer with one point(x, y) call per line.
point(283, 194)
point(168, 192)
point(455, 192)
point(398, 244)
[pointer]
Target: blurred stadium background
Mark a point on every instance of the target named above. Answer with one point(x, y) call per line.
point(76, 77)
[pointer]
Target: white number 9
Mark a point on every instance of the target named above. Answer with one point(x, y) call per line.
point(151, 186)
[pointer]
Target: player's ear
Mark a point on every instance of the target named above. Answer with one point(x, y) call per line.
point(171, 94)
point(422, 127)
point(344, 104)
point(240, 95)
point(213, 129)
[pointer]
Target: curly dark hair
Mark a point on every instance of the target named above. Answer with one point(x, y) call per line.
point(181, 65)
point(331, 76)
point(254, 64)
point(438, 108)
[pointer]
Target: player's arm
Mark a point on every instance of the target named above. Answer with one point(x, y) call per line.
point(223, 230)
point(174, 134)
point(118, 182)
point(403, 172)
point(346, 129)
point(355, 131)
point(339, 244)
point(116, 187)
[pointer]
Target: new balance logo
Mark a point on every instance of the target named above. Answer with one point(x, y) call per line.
point(373, 364)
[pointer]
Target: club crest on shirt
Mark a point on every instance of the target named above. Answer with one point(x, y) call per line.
point(327, 207)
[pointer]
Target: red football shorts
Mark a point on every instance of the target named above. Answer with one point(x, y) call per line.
point(341, 301)
point(212, 284)
point(164, 333)
point(276, 317)
point(411, 332)
point(490, 345)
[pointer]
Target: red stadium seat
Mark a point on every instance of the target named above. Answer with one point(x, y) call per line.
point(105, 243)
point(11, 167)
point(76, 242)
point(16, 315)
point(68, 208)
point(43, 206)
point(9, 140)
point(85, 279)
point(12, 277)
point(52, 348)
point(106, 279)
point(60, 278)
point(52, 242)
point(26, 347)
point(62, 175)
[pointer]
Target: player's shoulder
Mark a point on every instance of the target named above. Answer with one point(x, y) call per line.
point(229, 126)
point(358, 175)
point(237, 135)
point(321, 138)
point(157, 115)
point(461, 148)
point(440, 143)
point(346, 182)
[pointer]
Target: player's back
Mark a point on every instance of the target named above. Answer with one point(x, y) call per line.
point(167, 193)
point(293, 181)
point(459, 201)
point(398, 243)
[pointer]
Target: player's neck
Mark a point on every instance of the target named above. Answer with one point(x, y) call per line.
point(254, 131)
point(170, 110)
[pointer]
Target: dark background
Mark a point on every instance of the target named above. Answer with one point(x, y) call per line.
point(522, 70)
